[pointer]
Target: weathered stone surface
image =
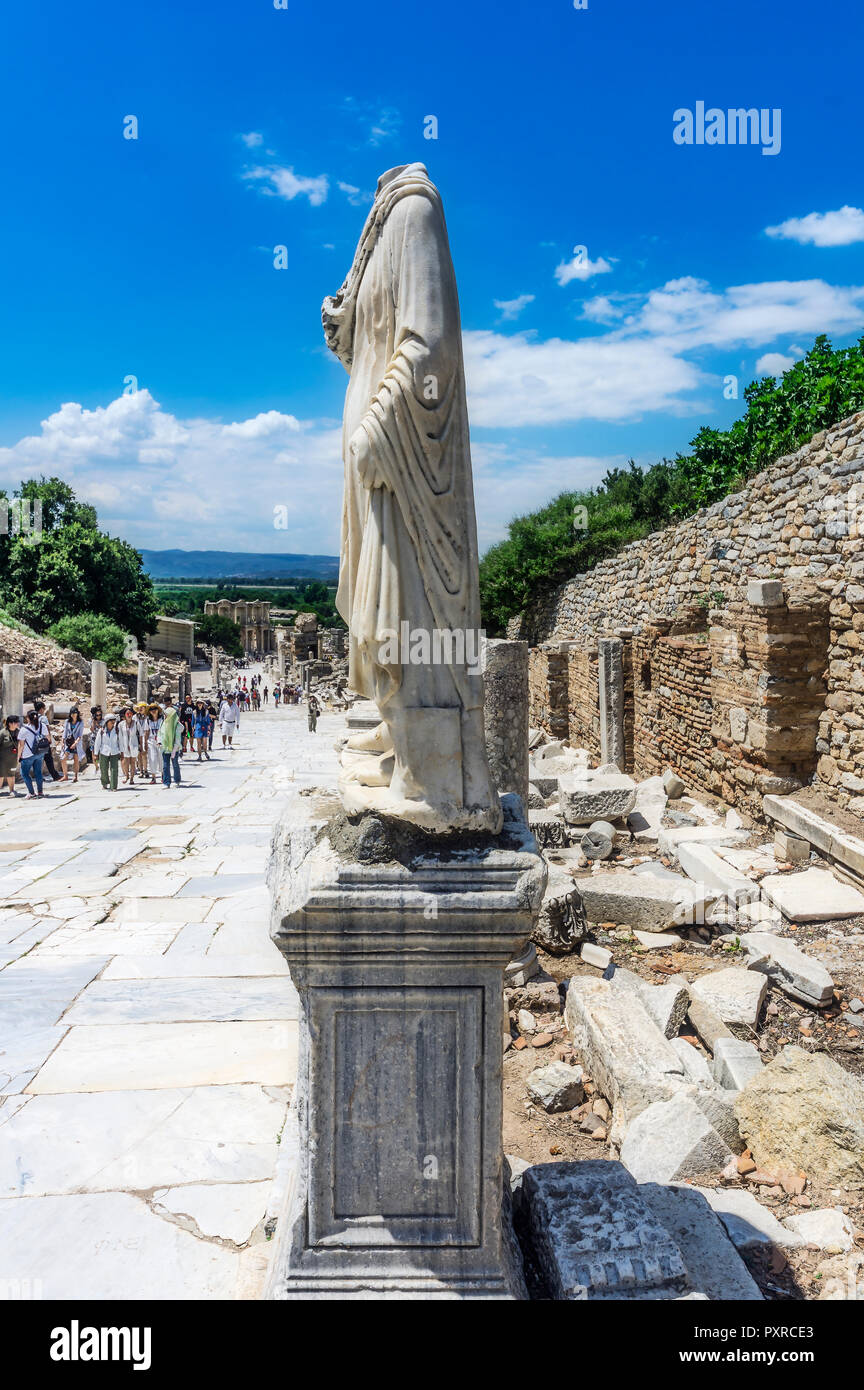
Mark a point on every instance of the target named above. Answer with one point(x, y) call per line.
point(642, 900)
point(696, 1067)
point(765, 593)
point(672, 1140)
point(556, 1087)
point(666, 1003)
point(812, 896)
point(592, 954)
point(708, 1025)
point(803, 1111)
point(791, 849)
point(584, 799)
point(828, 1228)
point(715, 1270)
point(621, 1047)
point(787, 966)
point(672, 784)
point(670, 840)
point(735, 995)
point(714, 875)
point(735, 1063)
point(594, 1237)
point(750, 1225)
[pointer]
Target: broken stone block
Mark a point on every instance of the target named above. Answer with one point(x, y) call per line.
point(672, 784)
point(621, 1048)
point(750, 1225)
point(598, 840)
point(812, 896)
point(785, 965)
point(593, 954)
point(641, 900)
point(758, 913)
point(765, 593)
point(556, 1087)
point(828, 1228)
point(709, 1027)
point(790, 849)
point(713, 874)
point(735, 995)
point(696, 1067)
point(735, 1063)
point(718, 1107)
point(714, 1267)
point(658, 940)
point(594, 1237)
point(712, 835)
point(738, 721)
point(666, 1003)
point(561, 923)
point(592, 796)
point(803, 1111)
point(548, 829)
point(672, 1140)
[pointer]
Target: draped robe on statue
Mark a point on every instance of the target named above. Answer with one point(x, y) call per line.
point(409, 560)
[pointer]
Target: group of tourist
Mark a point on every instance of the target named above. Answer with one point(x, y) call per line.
point(142, 741)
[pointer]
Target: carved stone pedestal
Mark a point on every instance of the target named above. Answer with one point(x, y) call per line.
point(398, 1189)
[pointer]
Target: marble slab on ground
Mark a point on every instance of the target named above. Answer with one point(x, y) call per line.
point(169, 1000)
point(117, 1057)
point(177, 965)
point(58, 1144)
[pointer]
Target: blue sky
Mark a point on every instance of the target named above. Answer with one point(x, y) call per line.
point(261, 127)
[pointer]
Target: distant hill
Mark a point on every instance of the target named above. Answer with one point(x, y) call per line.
point(230, 564)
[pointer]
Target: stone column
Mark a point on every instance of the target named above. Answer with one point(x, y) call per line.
point(505, 705)
point(143, 688)
point(99, 684)
point(214, 668)
point(280, 657)
point(13, 689)
point(397, 1191)
point(610, 667)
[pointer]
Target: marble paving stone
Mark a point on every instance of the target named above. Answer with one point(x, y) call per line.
point(162, 910)
point(118, 832)
point(220, 885)
point(178, 965)
point(141, 938)
point(150, 885)
point(140, 1139)
point(110, 1245)
point(23, 1053)
point(183, 1001)
point(157, 1055)
point(193, 939)
point(34, 993)
point(227, 1211)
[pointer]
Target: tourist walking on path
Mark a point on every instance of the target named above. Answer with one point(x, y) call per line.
point(277, 694)
point(171, 737)
point(45, 732)
point(187, 721)
point(229, 720)
point(72, 743)
point(314, 711)
point(141, 721)
point(154, 751)
point(127, 733)
point(106, 751)
point(213, 711)
point(95, 726)
point(266, 694)
point(201, 730)
point(9, 752)
point(31, 751)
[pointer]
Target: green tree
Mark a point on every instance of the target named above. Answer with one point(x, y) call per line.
point(73, 567)
point(218, 631)
point(91, 634)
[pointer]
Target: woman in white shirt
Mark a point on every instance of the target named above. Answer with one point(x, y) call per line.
point(106, 751)
point(154, 750)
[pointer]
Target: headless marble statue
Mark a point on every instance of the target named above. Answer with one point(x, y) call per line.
point(408, 582)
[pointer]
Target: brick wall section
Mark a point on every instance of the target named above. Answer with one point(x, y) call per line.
point(584, 697)
point(673, 707)
point(547, 691)
point(801, 521)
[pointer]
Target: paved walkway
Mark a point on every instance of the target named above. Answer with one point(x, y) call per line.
point(148, 1026)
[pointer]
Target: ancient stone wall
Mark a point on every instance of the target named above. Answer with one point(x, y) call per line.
point(547, 691)
point(801, 522)
point(673, 704)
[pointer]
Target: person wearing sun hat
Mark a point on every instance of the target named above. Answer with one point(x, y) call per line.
point(154, 720)
point(141, 720)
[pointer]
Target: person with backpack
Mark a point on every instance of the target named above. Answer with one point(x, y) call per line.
point(32, 747)
point(45, 731)
point(201, 730)
point(106, 752)
point(72, 743)
point(9, 752)
point(313, 711)
point(127, 733)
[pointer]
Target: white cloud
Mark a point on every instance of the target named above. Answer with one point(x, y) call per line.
point(288, 185)
point(839, 228)
point(197, 484)
point(252, 139)
point(581, 267)
point(356, 196)
point(510, 482)
point(775, 364)
point(512, 308)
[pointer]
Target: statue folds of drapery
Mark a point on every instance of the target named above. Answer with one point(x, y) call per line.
point(408, 583)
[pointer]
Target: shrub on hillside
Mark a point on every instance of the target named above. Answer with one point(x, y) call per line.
point(91, 634)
